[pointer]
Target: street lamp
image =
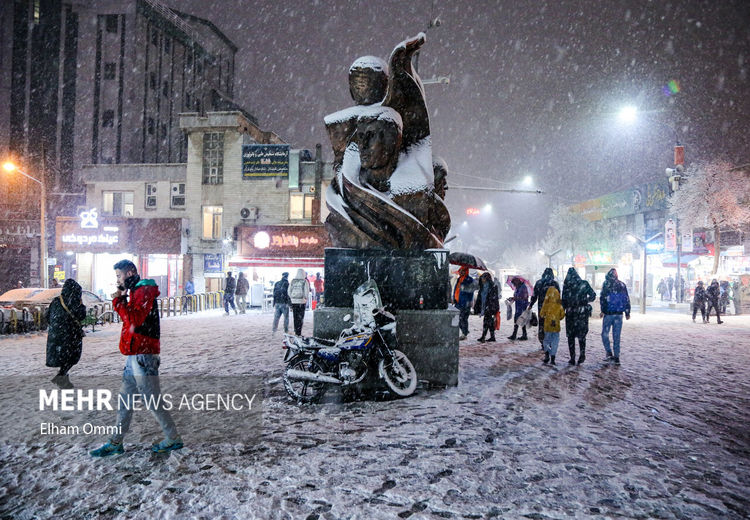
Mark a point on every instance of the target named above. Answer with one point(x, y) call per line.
point(643, 243)
point(549, 256)
point(10, 167)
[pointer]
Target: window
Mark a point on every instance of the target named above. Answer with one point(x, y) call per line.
point(300, 206)
point(213, 158)
point(110, 22)
point(187, 100)
point(151, 126)
point(166, 44)
point(165, 88)
point(150, 195)
point(117, 203)
point(37, 9)
point(164, 130)
point(212, 222)
point(155, 37)
point(152, 80)
point(108, 119)
point(110, 70)
point(178, 195)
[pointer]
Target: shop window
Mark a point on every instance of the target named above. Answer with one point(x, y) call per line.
point(110, 70)
point(165, 88)
point(213, 158)
point(108, 118)
point(212, 222)
point(300, 206)
point(178, 195)
point(152, 80)
point(150, 195)
point(117, 203)
point(110, 22)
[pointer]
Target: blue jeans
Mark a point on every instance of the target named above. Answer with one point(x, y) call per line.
point(229, 300)
point(614, 322)
point(281, 308)
point(141, 376)
point(550, 342)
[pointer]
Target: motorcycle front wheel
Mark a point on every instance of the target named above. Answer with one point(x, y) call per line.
point(304, 391)
point(399, 374)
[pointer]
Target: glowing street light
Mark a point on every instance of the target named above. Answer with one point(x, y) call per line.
point(549, 256)
point(628, 114)
point(11, 167)
point(528, 180)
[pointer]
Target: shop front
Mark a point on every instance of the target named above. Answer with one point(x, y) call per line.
point(19, 254)
point(265, 252)
point(88, 246)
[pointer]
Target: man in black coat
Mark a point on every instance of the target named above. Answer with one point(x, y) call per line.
point(712, 295)
point(281, 302)
point(699, 301)
point(230, 285)
point(488, 303)
point(540, 290)
point(576, 296)
point(64, 332)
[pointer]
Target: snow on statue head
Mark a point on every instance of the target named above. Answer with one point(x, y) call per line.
point(384, 195)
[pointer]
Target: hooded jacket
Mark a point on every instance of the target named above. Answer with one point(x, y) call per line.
point(490, 302)
point(713, 292)
point(463, 291)
point(699, 297)
point(64, 336)
point(576, 295)
point(299, 288)
point(141, 328)
point(243, 285)
point(540, 287)
point(552, 311)
point(612, 285)
point(280, 290)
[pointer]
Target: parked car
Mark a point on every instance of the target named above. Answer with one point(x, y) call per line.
point(9, 298)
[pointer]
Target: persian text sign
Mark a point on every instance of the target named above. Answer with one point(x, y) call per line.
point(265, 160)
point(639, 199)
point(112, 236)
point(283, 241)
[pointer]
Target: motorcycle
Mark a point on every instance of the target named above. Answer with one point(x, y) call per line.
point(359, 354)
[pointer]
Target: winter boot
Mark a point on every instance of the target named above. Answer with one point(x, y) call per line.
point(515, 331)
point(552, 360)
point(572, 350)
point(492, 338)
point(582, 357)
point(546, 358)
point(481, 340)
point(523, 337)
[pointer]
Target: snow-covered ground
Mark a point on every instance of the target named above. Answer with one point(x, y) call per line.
point(665, 435)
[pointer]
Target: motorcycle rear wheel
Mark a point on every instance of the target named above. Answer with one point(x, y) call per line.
point(399, 374)
point(304, 391)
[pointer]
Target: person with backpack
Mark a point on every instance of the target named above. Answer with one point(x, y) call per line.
point(230, 285)
point(242, 287)
point(488, 305)
point(576, 296)
point(299, 291)
point(281, 303)
point(713, 293)
point(540, 291)
point(65, 332)
point(614, 301)
point(699, 301)
point(135, 302)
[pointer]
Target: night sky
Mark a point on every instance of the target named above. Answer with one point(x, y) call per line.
point(534, 87)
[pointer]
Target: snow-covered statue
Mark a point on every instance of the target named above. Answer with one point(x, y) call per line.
point(384, 194)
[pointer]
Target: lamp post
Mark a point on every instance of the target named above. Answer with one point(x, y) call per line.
point(643, 243)
point(11, 167)
point(549, 256)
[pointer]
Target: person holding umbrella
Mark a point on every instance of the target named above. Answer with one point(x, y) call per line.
point(463, 295)
point(521, 299)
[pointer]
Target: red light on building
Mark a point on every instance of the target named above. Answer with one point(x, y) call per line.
point(472, 211)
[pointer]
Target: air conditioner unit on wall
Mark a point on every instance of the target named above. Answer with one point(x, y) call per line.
point(250, 213)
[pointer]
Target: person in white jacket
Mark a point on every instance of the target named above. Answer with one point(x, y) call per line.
point(299, 291)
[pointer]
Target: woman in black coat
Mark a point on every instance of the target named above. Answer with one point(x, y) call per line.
point(488, 303)
point(64, 333)
point(576, 295)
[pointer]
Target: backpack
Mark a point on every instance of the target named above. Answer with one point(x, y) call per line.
point(279, 294)
point(617, 300)
point(298, 289)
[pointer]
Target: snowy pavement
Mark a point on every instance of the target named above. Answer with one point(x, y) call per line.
point(665, 435)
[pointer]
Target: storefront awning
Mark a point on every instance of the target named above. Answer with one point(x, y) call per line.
point(685, 259)
point(276, 262)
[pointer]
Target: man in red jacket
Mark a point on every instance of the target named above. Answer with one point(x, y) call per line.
point(139, 343)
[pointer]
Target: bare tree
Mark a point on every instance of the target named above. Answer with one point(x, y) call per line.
point(712, 196)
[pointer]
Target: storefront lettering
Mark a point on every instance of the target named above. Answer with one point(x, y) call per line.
point(284, 240)
point(102, 238)
point(657, 195)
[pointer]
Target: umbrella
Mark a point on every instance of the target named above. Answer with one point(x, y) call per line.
point(524, 280)
point(467, 260)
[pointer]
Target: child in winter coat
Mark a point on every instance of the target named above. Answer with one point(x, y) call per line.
point(552, 312)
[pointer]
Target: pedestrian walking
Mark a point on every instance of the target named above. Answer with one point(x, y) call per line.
point(699, 301)
point(576, 298)
point(65, 332)
point(681, 290)
point(540, 290)
point(662, 289)
point(614, 301)
point(187, 301)
point(463, 296)
point(552, 311)
point(243, 285)
point(724, 291)
point(230, 285)
point(319, 287)
point(487, 305)
point(670, 286)
point(135, 302)
point(521, 299)
point(299, 292)
point(736, 296)
point(281, 303)
point(713, 293)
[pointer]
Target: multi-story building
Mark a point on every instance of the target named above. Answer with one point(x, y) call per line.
point(97, 82)
point(243, 201)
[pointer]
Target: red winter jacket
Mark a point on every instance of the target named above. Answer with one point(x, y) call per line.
point(140, 319)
